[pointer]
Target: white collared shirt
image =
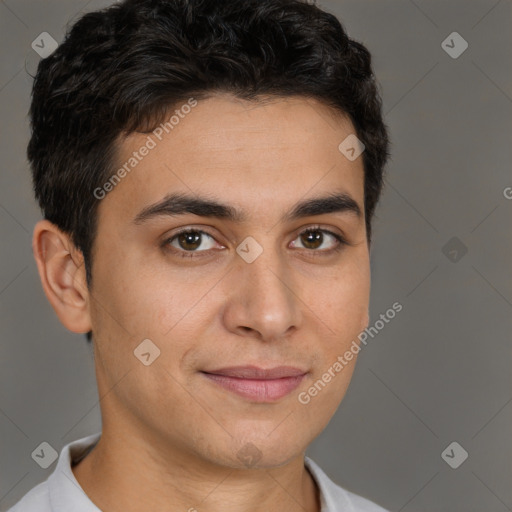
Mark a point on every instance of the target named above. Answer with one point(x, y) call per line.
point(61, 492)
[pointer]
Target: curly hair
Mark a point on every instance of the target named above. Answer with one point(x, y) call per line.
point(119, 70)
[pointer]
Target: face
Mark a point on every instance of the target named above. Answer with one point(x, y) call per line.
point(252, 282)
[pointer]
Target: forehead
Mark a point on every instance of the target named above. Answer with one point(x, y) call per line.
point(252, 153)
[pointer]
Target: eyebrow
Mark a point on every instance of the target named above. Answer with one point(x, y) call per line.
point(182, 204)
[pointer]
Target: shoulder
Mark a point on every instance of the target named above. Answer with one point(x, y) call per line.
point(35, 500)
point(335, 498)
point(60, 491)
point(363, 504)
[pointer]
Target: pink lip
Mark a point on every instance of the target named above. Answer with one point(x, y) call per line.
point(258, 384)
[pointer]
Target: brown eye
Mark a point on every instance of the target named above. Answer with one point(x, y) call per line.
point(190, 241)
point(314, 238)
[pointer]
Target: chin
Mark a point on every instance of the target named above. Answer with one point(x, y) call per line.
point(260, 451)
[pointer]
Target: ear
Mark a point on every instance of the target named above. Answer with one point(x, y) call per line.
point(62, 272)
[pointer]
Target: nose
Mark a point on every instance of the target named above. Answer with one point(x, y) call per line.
point(263, 298)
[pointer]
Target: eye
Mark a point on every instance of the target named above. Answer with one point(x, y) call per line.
point(313, 239)
point(189, 240)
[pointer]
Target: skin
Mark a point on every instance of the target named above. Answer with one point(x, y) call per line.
point(170, 436)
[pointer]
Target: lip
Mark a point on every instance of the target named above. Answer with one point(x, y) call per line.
point(254, 372)
point(258, 384)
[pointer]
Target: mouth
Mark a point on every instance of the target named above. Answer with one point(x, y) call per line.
point(257, 384)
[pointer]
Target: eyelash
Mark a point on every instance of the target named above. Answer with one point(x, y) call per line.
point(341, 242)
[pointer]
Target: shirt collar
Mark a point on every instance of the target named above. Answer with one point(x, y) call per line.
point(332, 496)
point(65, 491)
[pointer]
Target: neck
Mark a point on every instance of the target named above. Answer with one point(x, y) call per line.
point(126, 473)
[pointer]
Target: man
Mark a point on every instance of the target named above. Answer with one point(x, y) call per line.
point(207, 172)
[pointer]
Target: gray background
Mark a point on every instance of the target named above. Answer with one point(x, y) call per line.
point(438, 372)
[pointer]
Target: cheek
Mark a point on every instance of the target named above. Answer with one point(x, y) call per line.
point(343, 302)
point(131, 297)
point(342, 311)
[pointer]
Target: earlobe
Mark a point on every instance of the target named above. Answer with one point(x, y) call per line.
point(62, 272)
